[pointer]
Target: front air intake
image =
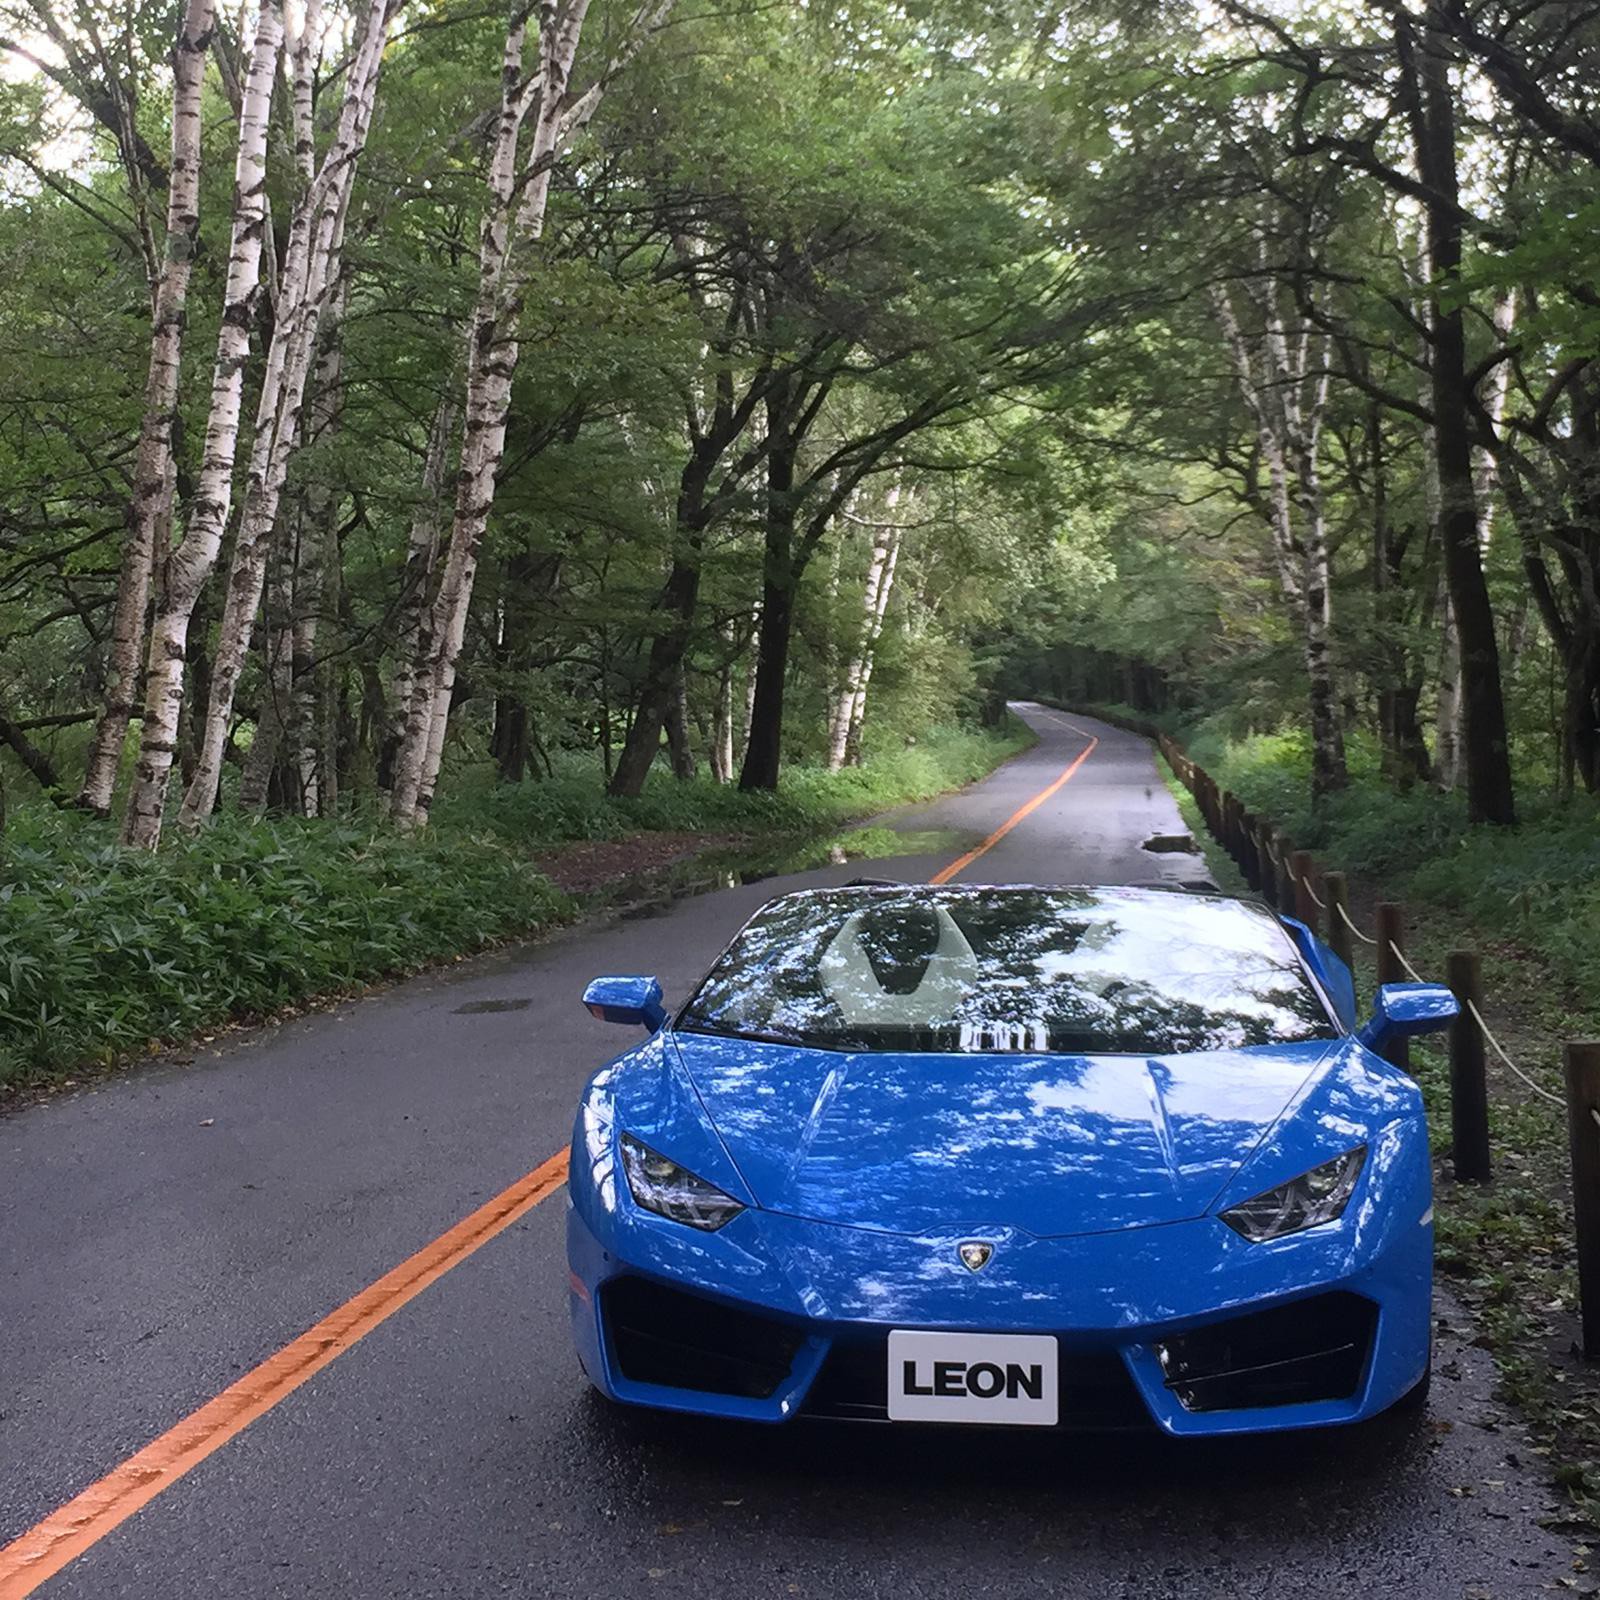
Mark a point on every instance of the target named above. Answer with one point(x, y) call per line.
point(1311, 1350)
point(684, 1341)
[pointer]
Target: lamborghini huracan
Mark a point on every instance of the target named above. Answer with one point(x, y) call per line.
point(1073, 1158)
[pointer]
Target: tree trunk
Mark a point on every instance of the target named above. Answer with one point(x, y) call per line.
point(513, 225)
point(278, 668)
point(764, 751)
point(1328, 772)
point(29, 754)
point(679, 749)
point(1581, 709)
point(1451, 686)
point(509, 742)
point(1485, 751)
point(306, 284)
point(190, 564)
point(663, 669)
point(747, 709)
point(316, 579)
point(416, 600)
point(1287, 401)
point(149, 507)
point(722, 728)
point(509, 233)
point(764, 748)
point(845, 734)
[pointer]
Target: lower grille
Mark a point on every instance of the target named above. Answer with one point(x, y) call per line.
point(1311, 1350)
point(1096, 1392)
point(684, 1341)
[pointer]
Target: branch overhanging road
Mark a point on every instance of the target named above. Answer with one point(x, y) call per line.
point(167, 1233)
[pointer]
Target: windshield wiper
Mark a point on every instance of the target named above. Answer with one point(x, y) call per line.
point(754, 1035)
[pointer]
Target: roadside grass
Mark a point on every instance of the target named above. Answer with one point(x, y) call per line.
point(106, 952)
point(1528, 900)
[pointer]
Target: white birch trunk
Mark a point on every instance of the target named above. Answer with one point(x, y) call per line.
point(850, 705)
point(149, 507)
point(748, 705)
point(316, 564)
point(1287, 399)
point(190, 564)
point(1269, 435)
point(412, 643)
point(722, 733)
point(310, 271)
point(856, 716)
point(519, 186)
point(278, 611)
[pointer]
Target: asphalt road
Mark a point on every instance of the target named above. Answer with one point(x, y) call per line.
point(163, 1233)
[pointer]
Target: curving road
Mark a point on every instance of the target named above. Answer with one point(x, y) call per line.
point(163, 1235)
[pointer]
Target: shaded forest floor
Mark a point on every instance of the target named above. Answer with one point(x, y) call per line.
point(1505, 1247)
point(108, 955)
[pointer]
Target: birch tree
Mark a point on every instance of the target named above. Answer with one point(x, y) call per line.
point(309, 273)
point(304, 555)
point(1283, 377)
point(189, 565)
point(415, 613)
point(850, 700)
point(544, 97)
point(150, 505)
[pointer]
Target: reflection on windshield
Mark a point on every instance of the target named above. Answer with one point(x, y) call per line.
point(1083, 971)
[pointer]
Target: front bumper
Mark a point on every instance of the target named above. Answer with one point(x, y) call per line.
point(1184, 1326)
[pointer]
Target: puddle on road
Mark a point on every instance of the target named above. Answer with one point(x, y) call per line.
point(835, 849)
point(1172, 844)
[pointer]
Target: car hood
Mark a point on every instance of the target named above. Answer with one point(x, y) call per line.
point(1047, 1143)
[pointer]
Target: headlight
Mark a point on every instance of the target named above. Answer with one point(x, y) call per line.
point(1314, 1197)
point(660, 1185)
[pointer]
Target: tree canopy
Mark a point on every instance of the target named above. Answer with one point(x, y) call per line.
point(402, 388)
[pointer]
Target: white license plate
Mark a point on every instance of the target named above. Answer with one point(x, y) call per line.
point(973, 1377)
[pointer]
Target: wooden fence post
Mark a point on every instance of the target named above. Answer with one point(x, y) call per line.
point(1336, 890)
point(1249, 860)
point(1583, 1126)
point(1268, 867)
point(1305, 905)
point(1469, 1088)
point(1391, 969)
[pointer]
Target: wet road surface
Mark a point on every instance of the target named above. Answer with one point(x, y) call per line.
point(162, 1234)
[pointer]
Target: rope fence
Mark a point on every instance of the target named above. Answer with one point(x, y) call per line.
point(1364, 938)
point(1288, 880)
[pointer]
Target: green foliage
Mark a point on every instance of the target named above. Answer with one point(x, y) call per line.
point(103, 949)
point(1538, 882)
point(567, 806)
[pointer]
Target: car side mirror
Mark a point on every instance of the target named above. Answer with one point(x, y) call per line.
point(631, 1000)
point(1403, 1010)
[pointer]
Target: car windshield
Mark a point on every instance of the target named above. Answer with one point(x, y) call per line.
point(1079, 971)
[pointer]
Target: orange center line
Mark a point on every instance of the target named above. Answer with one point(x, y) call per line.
point(1025, 810)
point(87, 1518)
point(37, 1555)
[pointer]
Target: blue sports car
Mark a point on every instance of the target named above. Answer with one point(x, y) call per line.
point(1076, 1158)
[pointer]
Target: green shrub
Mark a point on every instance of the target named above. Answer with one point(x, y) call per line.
point(1539, 881)
point(103, 949)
